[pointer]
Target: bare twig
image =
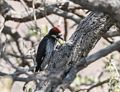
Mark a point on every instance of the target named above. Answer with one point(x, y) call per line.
point(29, 3)
point(34, 13)
point(65, 29)
point(20, 56)
point(40, 14)
point(24, 4)
point(45, 13)
point(112, 34)
point(2, 20)
point(98, 84)
point(108, 6)
point(102, 53)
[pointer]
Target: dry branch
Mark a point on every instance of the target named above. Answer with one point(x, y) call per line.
point(40, 13)
point(102, 53)
point(111, 7)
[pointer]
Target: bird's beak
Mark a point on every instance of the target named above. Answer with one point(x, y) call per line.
point(59, 36)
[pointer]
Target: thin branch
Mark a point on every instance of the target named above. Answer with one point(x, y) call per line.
point(16, 35)
point(111, 7)
point(20, 56)
point(2, 20)
point(4, 7)
point(32, 77)
point(24, 4)
point(24, 17)
point(8, 30)
point(29, 3)
point(62, 13)
point(21, 70)
point(112, 34)
point(65, 28)
point(65, 21)
point(45, 13)
point(34, 14)
point(49, 21)
point(102, 53)
point(98, 84)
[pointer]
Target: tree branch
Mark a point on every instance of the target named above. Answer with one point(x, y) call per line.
point(24, 17)
point(2, 20)
point(102, 53)
point(111, 7)
point(20, 56)
point(112, 34)
point(98, 84)
point(29, 3)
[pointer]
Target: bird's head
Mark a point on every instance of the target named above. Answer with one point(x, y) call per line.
point(54, 31)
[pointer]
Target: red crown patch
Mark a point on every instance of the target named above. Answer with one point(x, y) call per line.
point(55, 29)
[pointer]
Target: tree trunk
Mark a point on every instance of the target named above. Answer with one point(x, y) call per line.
point(65, 61)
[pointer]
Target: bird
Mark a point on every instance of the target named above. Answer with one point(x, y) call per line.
point(46, 46)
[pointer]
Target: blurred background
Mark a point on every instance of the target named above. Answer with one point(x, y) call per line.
point(26, 22)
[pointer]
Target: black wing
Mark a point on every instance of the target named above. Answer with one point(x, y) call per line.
point(41, 53)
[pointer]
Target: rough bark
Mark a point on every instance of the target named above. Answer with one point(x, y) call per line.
point(111, 7)
point(65, 61)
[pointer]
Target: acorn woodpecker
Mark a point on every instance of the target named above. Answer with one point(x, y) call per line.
point(46, 46)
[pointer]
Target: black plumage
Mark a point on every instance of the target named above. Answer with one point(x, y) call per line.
point(46, 46)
